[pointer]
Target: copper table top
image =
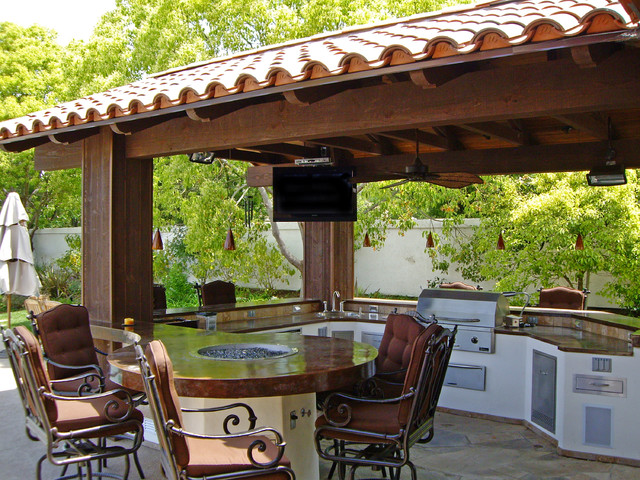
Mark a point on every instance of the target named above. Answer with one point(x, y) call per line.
point(320, 364)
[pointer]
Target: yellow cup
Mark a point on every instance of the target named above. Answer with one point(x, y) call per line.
point(128, 324)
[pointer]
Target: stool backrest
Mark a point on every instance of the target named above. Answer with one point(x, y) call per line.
point(562, 297)
point(65, 333)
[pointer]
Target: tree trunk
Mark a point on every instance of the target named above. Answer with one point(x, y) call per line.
point(275, 230)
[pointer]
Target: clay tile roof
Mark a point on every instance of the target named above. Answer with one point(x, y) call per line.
point(457, 31)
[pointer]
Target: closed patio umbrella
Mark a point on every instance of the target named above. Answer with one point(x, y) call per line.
point(17, 273)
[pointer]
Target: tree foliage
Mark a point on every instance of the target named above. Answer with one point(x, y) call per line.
point(31, 78)
point(208, 200)
point(540, 217)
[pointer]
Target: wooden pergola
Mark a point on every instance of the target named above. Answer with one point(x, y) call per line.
point(554, 101)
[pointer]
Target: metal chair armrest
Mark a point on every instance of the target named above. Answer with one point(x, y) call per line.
point(90, 366)
point(373, 387)
point(256, 444)
point(120, 396)
point(344, 408)
point(234, 419)
point(85, 386)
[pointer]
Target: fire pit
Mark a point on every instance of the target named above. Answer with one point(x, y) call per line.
point(246, 351)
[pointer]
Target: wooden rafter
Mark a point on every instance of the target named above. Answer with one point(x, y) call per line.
point(65, 138)
point(253, 157)
point(350, 143)
point(133, 126)
point(426, 138)
point(380, 108)
point(291, 149)
point(595, 127)
point(447, 132)
point(307, 96)
point(436, 77)
point(498, 130)
point(494, 161)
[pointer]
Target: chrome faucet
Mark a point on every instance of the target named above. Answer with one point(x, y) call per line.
point(333, 300)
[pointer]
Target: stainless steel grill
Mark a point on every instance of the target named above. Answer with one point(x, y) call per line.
point(476, 313)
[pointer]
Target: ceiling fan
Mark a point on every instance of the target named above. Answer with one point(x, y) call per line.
point(419, 172)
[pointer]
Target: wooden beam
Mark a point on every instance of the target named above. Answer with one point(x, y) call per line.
point(253, 157)
point(127, 128)
point(425, 138)
point(328, 260)
point(211, 112)
point(498, 130)
point(307, 96)
point(520, 91)
point(504, 161)
point(447, 132)
point(388, 148)
point(289, 149)
point(66, 138)
point(52, 156)
point(117, 212)
point(595, 127)
point(436, 77)
point(348, 143)
point(495, 161)
point(22, 145)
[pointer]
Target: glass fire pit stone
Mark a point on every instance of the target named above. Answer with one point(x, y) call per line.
point(246, 351)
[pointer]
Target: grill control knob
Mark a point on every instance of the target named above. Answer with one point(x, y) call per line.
point(474, 340)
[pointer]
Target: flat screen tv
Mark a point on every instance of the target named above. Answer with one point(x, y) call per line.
point(314, 194)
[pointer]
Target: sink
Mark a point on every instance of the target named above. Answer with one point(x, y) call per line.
point(331, 314)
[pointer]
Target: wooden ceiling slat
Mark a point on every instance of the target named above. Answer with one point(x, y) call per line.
point(586, 123)
point(493, 129)
point(299, 151)
point(350, 143)
point(497, 161)
point(423, 138)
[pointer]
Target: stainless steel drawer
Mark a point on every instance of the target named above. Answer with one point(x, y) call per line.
point(466, 376)
point(598, 385)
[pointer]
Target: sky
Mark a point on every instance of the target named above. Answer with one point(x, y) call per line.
point(72, 19)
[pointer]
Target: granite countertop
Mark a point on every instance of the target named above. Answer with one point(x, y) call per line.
point(172, 312)
point(566, 339)
point(315, 363)
point(572, 340)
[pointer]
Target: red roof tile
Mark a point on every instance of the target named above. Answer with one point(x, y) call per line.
point(457, 31)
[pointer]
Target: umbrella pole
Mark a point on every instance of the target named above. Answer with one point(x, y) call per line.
point(9, 310)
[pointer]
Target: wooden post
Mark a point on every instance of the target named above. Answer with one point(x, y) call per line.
point(117, 277)
point(8, 310)
point(328, 260)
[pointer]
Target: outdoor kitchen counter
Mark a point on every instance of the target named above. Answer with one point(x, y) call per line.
point(572, 340)
point(591, 332)
point(559, 329)
point(316, 363)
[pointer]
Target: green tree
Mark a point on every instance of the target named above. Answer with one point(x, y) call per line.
point(207, 200)
point(31, 75)
point(540, 217)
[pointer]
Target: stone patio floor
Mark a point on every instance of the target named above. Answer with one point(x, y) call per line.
point(462, 449)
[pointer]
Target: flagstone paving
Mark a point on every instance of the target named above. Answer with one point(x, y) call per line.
point(462, 449)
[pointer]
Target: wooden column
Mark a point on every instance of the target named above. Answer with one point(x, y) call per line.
point(328, 260)
point(117, 268)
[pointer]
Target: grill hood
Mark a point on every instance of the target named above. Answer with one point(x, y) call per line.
point(472, 308)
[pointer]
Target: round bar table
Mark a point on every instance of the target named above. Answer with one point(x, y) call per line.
point(280, 390)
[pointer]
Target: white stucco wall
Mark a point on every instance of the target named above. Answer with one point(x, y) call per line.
point(50, 243)
point(401, 267)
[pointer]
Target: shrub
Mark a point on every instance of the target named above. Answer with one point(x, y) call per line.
point(180, 293)
point(62, 279)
